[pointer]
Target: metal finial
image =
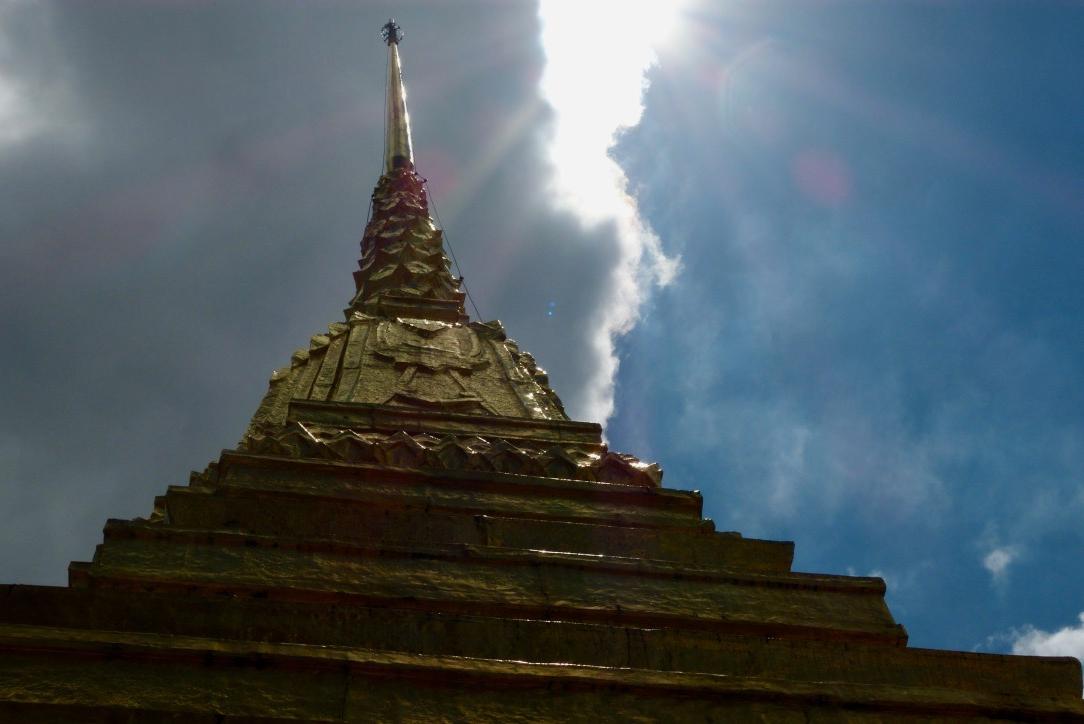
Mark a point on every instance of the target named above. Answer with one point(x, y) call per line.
point(391, 32)
point(397, 146)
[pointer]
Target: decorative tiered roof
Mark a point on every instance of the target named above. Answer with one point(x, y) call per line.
point(413, 530)
point(403, 269)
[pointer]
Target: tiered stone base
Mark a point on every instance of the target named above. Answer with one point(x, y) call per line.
point(284, 589)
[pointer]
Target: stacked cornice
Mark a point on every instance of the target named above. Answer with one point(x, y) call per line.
point(403, 270)
point(465, 453)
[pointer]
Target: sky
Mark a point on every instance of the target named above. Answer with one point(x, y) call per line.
point(818, 258)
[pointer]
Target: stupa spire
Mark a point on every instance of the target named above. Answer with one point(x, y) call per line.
point(408, 346)
point(403, 271)
point(397, 146)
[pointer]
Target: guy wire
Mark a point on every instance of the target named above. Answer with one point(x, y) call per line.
point(451, 251)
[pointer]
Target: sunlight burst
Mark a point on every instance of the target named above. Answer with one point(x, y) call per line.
point(597, 53)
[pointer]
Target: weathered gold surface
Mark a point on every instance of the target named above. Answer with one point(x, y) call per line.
point(362, 416)
point(473, 492)
point(533, 583)
point(477, 635)
point(412, 530)
point(261, 513)
point(334, 684)
point(453, 452)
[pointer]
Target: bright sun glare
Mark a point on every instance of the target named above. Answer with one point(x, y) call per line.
point(597, 52)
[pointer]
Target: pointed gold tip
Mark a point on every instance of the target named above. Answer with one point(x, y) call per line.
point(398, 150)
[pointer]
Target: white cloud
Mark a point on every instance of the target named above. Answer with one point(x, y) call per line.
point(1068, 641)
point(998, 560)
point(29, 106)
point(788, 462)
point(15, 119)
point(595, 95)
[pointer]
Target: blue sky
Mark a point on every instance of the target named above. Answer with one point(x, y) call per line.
point(848, 283)
point(875, 347)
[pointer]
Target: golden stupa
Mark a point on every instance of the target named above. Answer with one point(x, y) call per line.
point(413, 530)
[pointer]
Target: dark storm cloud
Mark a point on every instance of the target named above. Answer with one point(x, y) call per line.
point(187, 209)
